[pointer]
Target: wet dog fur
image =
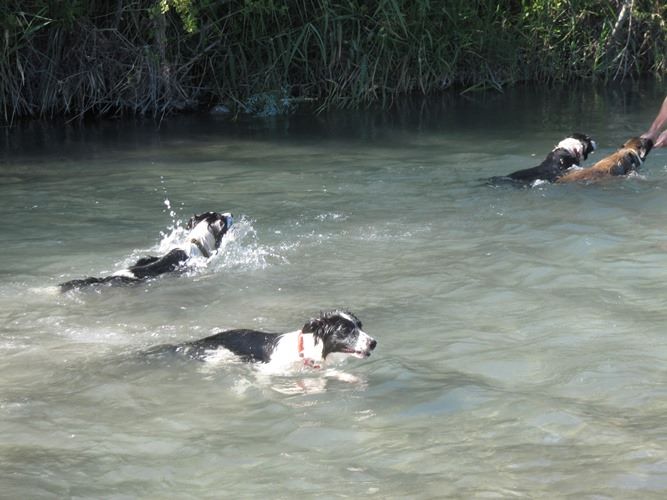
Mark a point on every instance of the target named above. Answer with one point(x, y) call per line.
point(629, 158)
point(204, 238)
point(567, 153)
point(331, 336)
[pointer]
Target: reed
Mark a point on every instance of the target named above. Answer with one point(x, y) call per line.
point(151, 57)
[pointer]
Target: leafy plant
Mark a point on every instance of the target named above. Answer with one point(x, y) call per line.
point(99, 57)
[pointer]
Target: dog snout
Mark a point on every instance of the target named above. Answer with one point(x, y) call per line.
point(372, 344)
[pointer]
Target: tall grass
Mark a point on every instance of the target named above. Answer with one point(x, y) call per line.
point(150, 57)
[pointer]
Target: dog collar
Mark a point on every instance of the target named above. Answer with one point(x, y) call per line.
point(300, 344)
point(300, 349)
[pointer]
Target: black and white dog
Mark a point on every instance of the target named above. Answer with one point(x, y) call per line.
point(203, 240)
point(566, 154)
point(330, 337)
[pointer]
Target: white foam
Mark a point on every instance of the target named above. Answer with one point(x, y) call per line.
point(230, 250)
point(219, 357)
point(45, 290)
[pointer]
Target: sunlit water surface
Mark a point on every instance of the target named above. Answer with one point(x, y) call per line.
point(522, 347)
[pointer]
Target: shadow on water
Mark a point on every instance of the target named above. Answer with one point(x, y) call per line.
point(486, 114)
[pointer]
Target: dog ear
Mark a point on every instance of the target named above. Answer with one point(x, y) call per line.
point(320, 326)
point(313, 325)
point(316, 326)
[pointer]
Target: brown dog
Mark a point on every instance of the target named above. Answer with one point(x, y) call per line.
point(628, 158)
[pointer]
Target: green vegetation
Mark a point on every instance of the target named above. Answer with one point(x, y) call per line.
point(100, 57)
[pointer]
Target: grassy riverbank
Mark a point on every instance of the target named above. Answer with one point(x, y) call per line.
point(102, 57)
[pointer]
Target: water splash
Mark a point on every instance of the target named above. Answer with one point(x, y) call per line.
point(239, 248)
point(243, 251)
point(167, 203)
point(296, 380)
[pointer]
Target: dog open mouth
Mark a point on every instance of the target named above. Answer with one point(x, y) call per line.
point(358, 354)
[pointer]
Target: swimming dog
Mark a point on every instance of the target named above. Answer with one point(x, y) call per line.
point(330, 337)
point(567, 153)
point(205, 235)
point(629, 157)
point(623, 161)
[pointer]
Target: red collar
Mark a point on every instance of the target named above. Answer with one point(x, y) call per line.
point(300, 344)
point(306, 361)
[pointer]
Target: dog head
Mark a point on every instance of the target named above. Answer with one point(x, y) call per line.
point(640, 145)
point(578, 145)
point(207, 230)
point(340, 332)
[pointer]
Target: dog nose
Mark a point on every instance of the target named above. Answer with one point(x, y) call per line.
point(373, 344)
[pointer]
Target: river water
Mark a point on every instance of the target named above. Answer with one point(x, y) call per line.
point(522, 348)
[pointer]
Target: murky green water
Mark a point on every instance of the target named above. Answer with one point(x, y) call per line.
point(522, 340)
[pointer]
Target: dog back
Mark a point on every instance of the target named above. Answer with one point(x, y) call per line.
point(627, 159)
